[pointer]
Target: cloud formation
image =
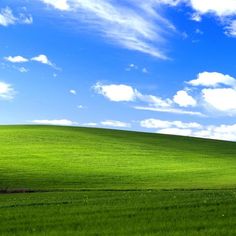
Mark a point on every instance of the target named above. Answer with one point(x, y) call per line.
point(213, 92)
point(135, 25)
point(221, 99)
point(217, 91)
point(140, 25)
point(126, 93)
point(221, 132)
point(7, 18)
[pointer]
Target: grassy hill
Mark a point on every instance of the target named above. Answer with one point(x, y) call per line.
point(96, 181)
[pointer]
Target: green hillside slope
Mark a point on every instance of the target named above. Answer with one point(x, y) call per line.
point(43, 157)
point(81, 181)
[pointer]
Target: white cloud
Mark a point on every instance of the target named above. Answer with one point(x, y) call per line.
point(176, 131)
point(218, 7)
point(213, 79)
point(7, 18)
point(222, 99)
point(58, 4)
point(163, 124)
point(183, 99)
point(115, 123)
point(90, 124)
point(6, 91)
point(63, 122)
point(72, 91)
point(42, 59)
point(16, 59)
point(116, 92)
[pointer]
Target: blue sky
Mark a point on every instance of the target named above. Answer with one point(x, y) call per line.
point(165, 66)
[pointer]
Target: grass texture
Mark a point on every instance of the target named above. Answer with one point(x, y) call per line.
point(86, 181)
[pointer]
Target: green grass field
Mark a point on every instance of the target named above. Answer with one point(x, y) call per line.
point(81, 181)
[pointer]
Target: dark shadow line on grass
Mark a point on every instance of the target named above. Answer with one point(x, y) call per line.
point(24, 190)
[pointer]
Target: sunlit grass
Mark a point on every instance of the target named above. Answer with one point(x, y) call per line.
point(65, 167)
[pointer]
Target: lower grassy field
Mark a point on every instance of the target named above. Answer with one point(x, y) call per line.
point(104, 182)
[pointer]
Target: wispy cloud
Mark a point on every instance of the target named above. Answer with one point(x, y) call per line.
point(129, 24)
point(22, 69)
point(8, 18)
point(170, 110)
point(7, 92)
point(135, 67)
point(81, 106)
point(140, 25)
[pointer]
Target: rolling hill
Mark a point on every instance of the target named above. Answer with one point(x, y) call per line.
point(70, 180)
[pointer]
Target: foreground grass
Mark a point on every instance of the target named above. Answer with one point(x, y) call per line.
point(94, 181)
point(120, 213)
